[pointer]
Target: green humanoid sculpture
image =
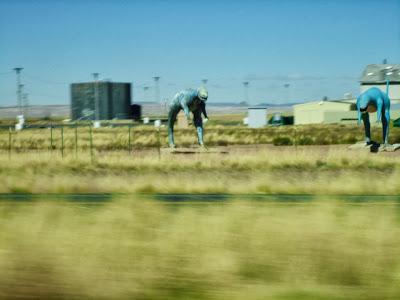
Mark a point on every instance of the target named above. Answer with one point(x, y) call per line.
point(189, 100)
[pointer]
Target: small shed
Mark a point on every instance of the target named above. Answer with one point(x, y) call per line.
point(257, 116)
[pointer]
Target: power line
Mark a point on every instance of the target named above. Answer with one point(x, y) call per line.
point(36, 78)
point(6, 73)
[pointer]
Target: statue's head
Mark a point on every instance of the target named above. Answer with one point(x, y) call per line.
point(367, 107)
point(202, 94)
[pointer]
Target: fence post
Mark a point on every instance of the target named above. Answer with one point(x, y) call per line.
point(158, 143)
point(91, 142)
point(62, 141)
point(51, 137)
point(9, 142)
point(76, 140)
point(129, 139)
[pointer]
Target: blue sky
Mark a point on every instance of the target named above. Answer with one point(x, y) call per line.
point(317, 47)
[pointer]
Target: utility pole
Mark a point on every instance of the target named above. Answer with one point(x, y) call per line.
point(287, 92)
point(246, 93)
point(157, 88)
point(145, 89)
point(19, 87)
point(96, 96)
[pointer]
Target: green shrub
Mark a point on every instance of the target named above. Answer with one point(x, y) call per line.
point(282, 141)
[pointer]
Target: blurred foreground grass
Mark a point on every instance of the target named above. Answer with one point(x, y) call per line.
point(133, 248)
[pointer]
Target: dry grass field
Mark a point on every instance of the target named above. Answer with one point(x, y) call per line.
point(245, 169)
point(137, 247)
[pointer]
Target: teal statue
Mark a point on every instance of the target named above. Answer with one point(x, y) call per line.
point(189, 100)
point(374, 100)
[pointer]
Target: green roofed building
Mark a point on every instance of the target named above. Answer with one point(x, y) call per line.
point(376, 75)
point(114, 100)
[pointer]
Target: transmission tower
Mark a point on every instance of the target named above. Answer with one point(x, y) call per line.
point(25, 103)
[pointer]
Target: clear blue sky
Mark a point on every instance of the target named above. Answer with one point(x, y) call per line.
point(318, 47)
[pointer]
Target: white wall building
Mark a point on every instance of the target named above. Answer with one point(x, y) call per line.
point(257, 117)
point(326, 112)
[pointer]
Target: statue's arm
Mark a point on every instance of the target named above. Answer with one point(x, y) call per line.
point(386, 124)
point(387, 108)
point(358, 109)
point(379, 108)
point(185, 106)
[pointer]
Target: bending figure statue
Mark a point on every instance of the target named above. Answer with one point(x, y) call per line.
point(189, 100)
point(374, 100)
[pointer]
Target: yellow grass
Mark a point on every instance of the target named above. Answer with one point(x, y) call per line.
point(273, 170)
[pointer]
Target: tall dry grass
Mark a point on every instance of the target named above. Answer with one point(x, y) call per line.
point(114, 139)
point(308, 170)
point(137, 249)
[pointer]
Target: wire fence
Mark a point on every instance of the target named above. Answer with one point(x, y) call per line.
point(78, 139)
point(75, 139)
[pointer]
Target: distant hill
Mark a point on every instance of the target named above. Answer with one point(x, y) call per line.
point(230, 104)
point(279, 105)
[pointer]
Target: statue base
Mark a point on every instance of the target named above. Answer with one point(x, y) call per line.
point(375, 147)
point(390, 148)
point(198, 150)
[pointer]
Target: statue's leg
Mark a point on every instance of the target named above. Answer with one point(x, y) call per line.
point(198, 122)
point(171, 122)
point(367, 127)
point(385, 128)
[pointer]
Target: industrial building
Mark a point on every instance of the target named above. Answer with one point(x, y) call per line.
point(114, 101)
point(376, 75)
